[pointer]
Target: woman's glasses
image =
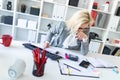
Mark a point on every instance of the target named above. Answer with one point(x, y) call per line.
point(84, 29)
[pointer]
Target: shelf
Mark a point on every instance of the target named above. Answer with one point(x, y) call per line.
point(97, 40)
point(35, 0)
point(46, 18)
point(114, 45)
point(98, 28)
point(6, 25)
point(4, 10)
point(102, 11)
point(118, 32)
point(26, 14)
point(76, 7)
point(49, 2)
point(55, 3)
point(25, 28)
point(44, 32)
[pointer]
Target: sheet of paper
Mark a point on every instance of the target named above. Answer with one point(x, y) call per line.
point(97, 62)
point(94, 62)
point(105, 63)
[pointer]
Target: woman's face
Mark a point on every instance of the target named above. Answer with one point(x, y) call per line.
point(84, 27)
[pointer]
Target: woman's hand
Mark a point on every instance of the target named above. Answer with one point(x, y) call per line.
point(81, 35)
point(46, 45)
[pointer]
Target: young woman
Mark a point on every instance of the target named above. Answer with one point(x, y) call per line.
point(71, 34)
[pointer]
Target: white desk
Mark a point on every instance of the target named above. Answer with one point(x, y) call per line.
point(8, 56)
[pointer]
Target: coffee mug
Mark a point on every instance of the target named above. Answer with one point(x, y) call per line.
point(6, 40)
point(17, 69)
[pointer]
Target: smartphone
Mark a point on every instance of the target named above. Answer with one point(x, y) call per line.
point(84, 64)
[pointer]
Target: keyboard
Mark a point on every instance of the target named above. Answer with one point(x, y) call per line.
point(48, 54)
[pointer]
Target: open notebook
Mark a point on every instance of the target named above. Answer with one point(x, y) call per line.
point(100, 63)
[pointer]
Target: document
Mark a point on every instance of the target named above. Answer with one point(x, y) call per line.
point(100, 63)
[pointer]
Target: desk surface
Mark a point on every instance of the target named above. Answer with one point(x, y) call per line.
point(8, 56)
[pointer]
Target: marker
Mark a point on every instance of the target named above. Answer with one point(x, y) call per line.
point(115, 71)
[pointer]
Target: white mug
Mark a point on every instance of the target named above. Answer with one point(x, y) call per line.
point(17, 69)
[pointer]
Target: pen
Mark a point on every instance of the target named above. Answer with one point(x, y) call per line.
point(68, 70)
point(59, 66)
point(71, 67)
point(115, 71)
point(41, 65)
point(43, 55)
point(36, 54)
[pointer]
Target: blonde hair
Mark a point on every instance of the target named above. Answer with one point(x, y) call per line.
point(78, 18)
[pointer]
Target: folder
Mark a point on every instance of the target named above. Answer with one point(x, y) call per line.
point(58, 12)
point(32, 24)
point(83, 4)
point(118, 11)
point(100, 19)
point(54, 14)
point(0, 18)
point(73, 69)
point(117, 53)
point(1, 4)
point(95, 46)
point(42, 39)
point(31, 36)
point(114, 23)
point(22, 23)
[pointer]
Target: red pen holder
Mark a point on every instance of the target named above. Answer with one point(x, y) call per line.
point(38, 70)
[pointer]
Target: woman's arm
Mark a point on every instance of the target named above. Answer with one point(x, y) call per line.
point(49, 36)
point(53, 30)
point(83, 37)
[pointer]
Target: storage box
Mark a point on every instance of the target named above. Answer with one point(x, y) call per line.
point(73, 2)
point(22, 23)
point(7, 19)
point(34, 11)
point(32, 24)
